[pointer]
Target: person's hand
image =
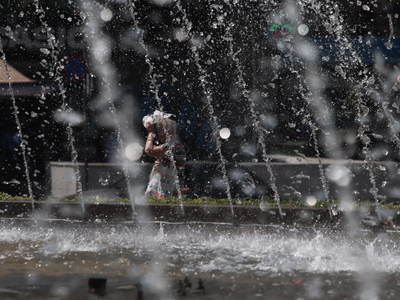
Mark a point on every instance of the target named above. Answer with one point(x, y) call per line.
point(149, 127)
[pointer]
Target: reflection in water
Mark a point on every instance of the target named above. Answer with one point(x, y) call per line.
point(57, 259)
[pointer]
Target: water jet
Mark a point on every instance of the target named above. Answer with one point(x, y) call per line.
point(274, 98)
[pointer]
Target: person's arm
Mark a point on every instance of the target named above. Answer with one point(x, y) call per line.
point(149, 148)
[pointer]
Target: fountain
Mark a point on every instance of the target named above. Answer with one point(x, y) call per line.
point(283, 99)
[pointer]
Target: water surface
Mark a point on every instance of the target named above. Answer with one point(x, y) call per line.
point(54, 260)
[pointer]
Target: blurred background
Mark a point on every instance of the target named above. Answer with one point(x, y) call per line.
point(246, 60)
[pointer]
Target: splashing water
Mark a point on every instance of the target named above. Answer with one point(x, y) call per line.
point(307, 259)
point(154, 88)
point(210, 108)
point(101, 52)
point(261, 132)
point(19, 126)
point(65, 113)
point(223, 258)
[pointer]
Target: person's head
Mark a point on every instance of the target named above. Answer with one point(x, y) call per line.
point(166, 130)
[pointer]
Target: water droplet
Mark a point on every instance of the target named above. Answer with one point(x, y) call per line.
point(218, 183)
point(102, 50)
point(71, 117)
point(264, 206)
point(339, 174)
point(248, 190)
point(365, 7)
point(106, 14)
point(269, 121)
point(241, 130)
point(303, 29)
point(45, 51)
point(134, 151)
point(248, 149)
point(364, 111)
point(311, 200)
point(181, 34)
point(225, 133)
point(388, 45)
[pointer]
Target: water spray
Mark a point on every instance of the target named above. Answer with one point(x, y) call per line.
point(105, 70)
point(64, 110)
point(210, 108)
point(261, 133)
point(19, 126)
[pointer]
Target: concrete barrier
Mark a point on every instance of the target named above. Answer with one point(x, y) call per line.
point(293, 177)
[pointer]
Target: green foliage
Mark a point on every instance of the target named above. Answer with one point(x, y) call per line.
point(122, 200)
point(8, 197)
point(260, 201)
point(392, 206)
point(264, 200)
point(68, 199)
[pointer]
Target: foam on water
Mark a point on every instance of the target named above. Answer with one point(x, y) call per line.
point(210, 250)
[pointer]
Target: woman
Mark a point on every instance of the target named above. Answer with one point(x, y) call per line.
point(166, 176)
